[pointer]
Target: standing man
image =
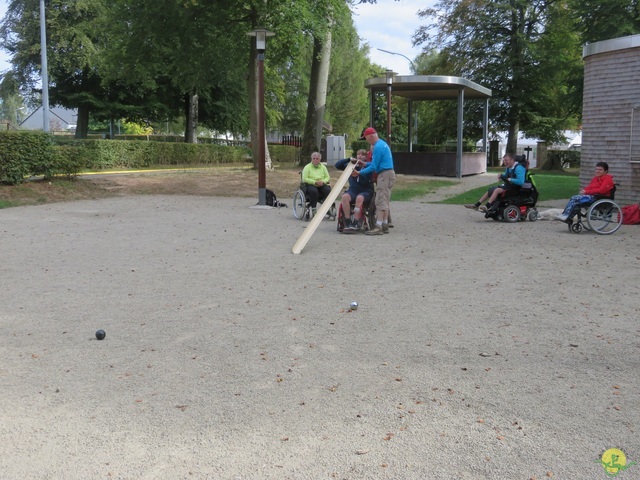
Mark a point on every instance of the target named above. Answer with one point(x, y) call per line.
point(382, 165)
point(315, 177)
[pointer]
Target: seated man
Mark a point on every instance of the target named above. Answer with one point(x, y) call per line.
point(600, 185)
point(360, 189)
point(315, 177)
point(513, 178)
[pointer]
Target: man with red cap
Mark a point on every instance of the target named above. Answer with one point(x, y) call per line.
point(382, 165)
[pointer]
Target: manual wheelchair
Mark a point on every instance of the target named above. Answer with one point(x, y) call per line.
point(603, 215)
point(368, 218)
point(302, 207)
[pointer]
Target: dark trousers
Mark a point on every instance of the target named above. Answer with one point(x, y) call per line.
point(317, 194)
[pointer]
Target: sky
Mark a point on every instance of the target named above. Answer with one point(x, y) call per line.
point(387, 24)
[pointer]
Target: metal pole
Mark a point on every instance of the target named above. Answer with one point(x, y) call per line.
point(262, 178)
point(45, 77)
point(409, 116)
point(389, 114)
point(460, 132)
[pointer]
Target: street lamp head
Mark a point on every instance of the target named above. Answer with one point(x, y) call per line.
point(390, 74)
point(261, 35)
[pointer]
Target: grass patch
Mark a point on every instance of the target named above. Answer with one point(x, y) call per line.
point(552, 186)
point(417, 188)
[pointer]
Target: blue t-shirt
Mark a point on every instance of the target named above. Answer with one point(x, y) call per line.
point(516, 174)
point(381, 159)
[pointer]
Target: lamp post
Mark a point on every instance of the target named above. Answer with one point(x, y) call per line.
point(413, 65)
point(45, 76)
point(389, 74)
point(261, 35)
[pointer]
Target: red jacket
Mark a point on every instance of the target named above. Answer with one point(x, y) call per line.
point(600, 185)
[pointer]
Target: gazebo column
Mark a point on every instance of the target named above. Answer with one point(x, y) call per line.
point(410, 117)
point(459, 140)
point(485, 128)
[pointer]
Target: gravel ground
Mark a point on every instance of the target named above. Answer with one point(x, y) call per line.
point(480, 349)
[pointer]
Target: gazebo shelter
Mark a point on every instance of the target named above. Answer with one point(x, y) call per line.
point(433, 87)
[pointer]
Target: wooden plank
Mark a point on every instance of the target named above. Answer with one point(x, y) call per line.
point(323, 209)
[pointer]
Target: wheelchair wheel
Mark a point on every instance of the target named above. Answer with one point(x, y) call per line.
point(332, 213)
point(299, 205)
point(511, 214)
point(371, 213)
point(533, 215)
point(340, 222)
point(604, 217)
point(575, 227)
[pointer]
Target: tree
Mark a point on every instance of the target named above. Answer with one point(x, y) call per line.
point(606, 19)
point(75, 34)
point(503, 45)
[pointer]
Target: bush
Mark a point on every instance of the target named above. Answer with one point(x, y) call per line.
point(109, 154)
point(285, 153)
point(561, 159)
point(67, 161)
point(23, 154)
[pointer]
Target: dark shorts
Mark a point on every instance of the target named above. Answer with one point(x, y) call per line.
point(511, 189)
point(366, 195)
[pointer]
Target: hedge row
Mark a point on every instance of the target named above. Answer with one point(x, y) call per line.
point(416, 147)
point(25, 154)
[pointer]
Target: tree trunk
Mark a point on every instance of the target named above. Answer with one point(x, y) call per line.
point(316, 104)
point(512, 136)
point(267, 157)
point(190, 135)
point(82, 123)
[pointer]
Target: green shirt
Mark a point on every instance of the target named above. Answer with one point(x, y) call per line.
point(312, 173)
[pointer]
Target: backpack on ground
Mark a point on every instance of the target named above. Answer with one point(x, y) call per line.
point(631, 214)
point(272, 200)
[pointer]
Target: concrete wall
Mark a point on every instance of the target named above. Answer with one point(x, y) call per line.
point(611, 93)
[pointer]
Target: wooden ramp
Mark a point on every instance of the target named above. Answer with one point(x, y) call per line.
point(323, 209)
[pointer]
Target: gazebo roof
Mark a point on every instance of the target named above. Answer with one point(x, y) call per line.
point(429, 87)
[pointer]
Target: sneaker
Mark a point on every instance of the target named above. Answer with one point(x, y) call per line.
point(377, 230)
point(482, 209)
point(385, 228)
point(563, 217)
point(472, 206)
point(349, 227)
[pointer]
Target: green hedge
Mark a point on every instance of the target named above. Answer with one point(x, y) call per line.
point(417, 147)
point(564, 158)
point(25, 154)
point(284, 153)
point(108, 154)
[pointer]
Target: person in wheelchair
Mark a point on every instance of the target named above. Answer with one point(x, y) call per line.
point(315, 177)
point(601, 186)
point(360, 191)
point(512, 179)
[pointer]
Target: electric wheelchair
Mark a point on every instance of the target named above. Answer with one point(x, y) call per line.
point(517, 204)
